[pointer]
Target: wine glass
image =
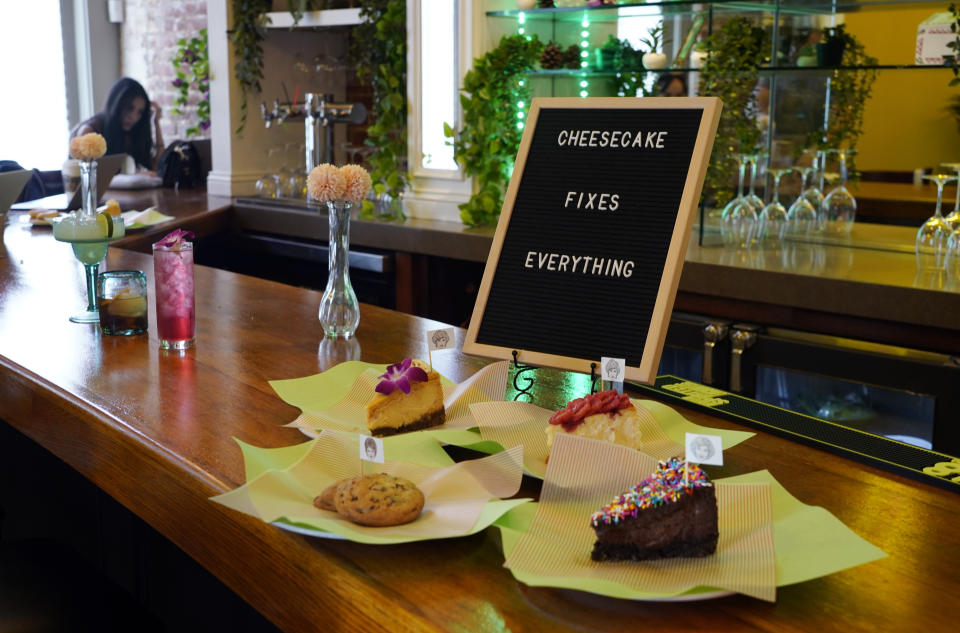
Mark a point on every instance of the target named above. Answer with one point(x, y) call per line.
point(812, 178)
point(773, 218)
point(839, 206)
point(802, 218)
point(286, 170)
point(953, 218)
point(952, 260)
point(738, 220)
point(89, 233)
point(266, 186)
point(755, 201)
point(269, 185)
point(297, 181)
point(932, 237)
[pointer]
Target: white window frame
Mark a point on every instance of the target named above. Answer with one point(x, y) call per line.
point(435, 193)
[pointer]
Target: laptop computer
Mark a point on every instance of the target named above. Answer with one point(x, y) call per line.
point(11, 184)
point(107, 168)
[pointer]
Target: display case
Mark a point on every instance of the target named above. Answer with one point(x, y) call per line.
point(798, 94)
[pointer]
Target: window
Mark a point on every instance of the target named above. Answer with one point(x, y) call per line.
point(33, 114)
point(438, 72)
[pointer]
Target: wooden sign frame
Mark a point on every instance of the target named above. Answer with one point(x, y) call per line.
point(659, 321)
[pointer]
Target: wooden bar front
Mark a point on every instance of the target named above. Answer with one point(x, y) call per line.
point(155, 430)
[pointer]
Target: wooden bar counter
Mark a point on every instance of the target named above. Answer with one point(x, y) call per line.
point(155, 430)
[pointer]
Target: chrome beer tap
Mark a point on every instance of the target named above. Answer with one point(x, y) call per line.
point(319, 113)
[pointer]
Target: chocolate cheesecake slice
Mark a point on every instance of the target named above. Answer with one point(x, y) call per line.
point(664, 516)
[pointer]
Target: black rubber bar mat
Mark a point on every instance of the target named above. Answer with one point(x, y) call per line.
point(917, 463)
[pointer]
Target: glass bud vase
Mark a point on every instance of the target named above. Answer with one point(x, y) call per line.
point(88, 187)
point(339, 308)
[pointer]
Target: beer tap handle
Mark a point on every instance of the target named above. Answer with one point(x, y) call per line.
point(267, 117)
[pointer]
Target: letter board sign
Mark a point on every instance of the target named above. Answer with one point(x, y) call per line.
point(588, 251)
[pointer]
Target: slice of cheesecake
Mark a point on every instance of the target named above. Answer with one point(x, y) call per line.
point(393, 410)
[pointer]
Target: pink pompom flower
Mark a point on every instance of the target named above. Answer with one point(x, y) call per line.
point(356, 183)
point(88, 146)
point(325, 183)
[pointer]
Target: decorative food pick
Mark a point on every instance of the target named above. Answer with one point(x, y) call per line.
point(409, 397)
point(671, 513)
point(175, 239)
point(328, 183)
point(88, 146)
point(607, 416)
point(356, 183)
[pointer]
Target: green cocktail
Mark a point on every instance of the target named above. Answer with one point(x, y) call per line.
point(90, 237)
point(90, 254)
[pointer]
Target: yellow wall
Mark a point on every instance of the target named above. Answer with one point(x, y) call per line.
point(906, 123)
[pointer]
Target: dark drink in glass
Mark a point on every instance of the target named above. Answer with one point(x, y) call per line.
point(122, 302)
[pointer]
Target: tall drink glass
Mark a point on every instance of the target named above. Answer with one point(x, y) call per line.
point(173, 277)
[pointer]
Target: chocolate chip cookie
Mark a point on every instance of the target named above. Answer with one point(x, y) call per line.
point(379, 500)
point(327, 500)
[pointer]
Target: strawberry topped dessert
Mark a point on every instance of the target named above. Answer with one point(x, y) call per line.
point(608, 416)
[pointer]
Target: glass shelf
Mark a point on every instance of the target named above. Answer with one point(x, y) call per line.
point(792, 7)
point(588, 72)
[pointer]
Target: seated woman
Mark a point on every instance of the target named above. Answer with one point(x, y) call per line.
point(125, 125)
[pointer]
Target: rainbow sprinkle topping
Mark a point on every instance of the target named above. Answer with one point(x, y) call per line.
point(667, 485)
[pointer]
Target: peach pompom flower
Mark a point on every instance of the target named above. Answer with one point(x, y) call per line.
point(88, 146)
point(325, 183)
point(357, 183)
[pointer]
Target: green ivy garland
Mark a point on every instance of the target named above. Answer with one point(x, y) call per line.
point(734, 55)
point(954, 106)
point(379, 48)
point(192, 65)
point(849, 92)
point(249, 30)
point(488, 143)
point(952, 60)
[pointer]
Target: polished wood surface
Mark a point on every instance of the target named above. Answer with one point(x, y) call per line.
point(156, 430)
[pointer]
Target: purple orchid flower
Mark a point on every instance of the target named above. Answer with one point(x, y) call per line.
point(399, 376)
point(178, 82)
point(174, 239)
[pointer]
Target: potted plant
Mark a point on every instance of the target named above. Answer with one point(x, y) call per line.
point(830, 50)
point(699, 54)
point(652, 59)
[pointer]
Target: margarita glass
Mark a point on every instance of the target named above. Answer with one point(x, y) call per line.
point(89, 233)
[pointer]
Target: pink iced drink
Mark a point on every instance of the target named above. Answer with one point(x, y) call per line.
point(173, 276)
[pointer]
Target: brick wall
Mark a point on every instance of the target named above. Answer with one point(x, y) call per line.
point(148, 40)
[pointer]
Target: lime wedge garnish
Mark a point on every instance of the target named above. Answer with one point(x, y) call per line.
point(105, 220)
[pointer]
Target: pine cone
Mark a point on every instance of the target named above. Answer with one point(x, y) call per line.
point(552, 57)
point(571, 57)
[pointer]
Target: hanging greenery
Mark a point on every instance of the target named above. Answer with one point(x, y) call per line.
point(379, 49)
point(250, 22)
point(249, 30)
point(734, 54)
point(953, 61)
point(487, 145)
point(850, 89)
point(192, 66)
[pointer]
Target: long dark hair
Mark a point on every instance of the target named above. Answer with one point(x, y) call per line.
point(137, 142)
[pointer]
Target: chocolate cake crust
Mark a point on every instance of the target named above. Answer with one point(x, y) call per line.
point(433, 418)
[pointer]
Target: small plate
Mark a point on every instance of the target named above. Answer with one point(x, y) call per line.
point(308, 531)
